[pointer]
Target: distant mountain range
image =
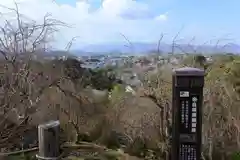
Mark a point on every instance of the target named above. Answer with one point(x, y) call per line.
point(140, 49)
point(144, 48)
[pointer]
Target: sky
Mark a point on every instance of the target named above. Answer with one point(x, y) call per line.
point(106, 21)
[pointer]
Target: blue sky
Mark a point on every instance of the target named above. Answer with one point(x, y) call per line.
point(204, 19)
point(103, 21)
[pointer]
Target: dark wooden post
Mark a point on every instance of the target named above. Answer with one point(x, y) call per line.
point(187, 113)
point(48, 137)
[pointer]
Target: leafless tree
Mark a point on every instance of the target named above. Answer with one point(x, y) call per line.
point(21, 40)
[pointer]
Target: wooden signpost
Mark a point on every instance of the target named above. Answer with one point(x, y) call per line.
point(187, 113)
point(48, 137)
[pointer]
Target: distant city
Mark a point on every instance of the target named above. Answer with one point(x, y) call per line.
point(128, 68)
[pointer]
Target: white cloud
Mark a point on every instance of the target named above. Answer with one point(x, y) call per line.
point(134, 19)
point(162, 17)
point(128, 9)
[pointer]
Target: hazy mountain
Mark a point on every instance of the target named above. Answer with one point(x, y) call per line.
point(137, 48)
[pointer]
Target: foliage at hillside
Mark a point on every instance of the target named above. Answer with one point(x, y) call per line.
point(150, 113)
point(101, 79)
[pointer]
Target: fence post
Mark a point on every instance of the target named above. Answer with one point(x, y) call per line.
point(187, 94)
point(48, 137)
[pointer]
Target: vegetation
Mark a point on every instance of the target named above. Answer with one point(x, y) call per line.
point(101, 79)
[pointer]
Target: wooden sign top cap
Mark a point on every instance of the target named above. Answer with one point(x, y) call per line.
point(188, 71)
point(50, 124)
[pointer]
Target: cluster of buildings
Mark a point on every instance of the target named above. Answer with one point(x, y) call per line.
point(130, 68)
